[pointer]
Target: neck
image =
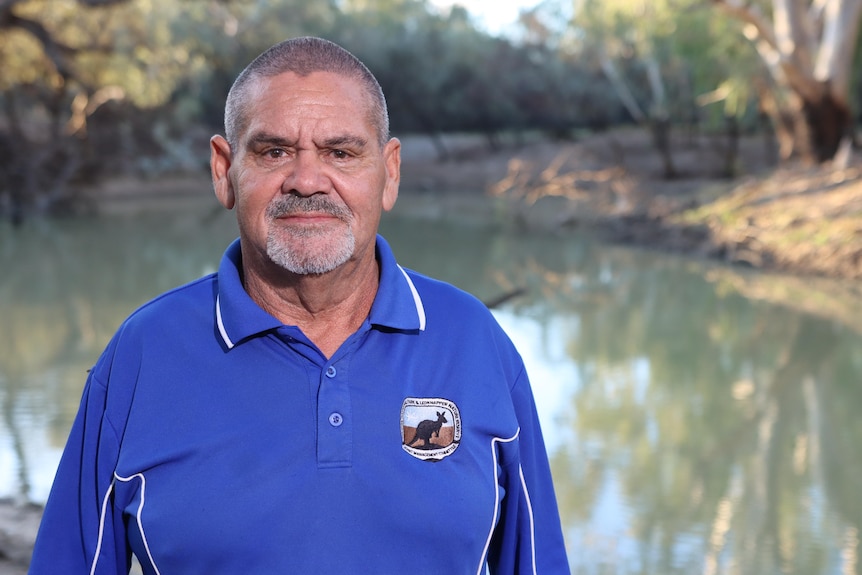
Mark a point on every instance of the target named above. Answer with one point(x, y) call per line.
point(328, 308)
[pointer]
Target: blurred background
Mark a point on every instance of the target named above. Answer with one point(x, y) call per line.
point(661, 200)
point(94, 88)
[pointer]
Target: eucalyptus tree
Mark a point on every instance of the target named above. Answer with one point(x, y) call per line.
point(66, 62)
point(625, 33)
point(662, 57)
point(809, 48)
point(37, 60)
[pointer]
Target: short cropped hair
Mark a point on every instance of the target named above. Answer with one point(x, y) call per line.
point(302, 56)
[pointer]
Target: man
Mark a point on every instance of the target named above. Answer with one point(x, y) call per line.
point(312, 407)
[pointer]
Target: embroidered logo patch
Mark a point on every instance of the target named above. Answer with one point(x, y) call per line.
point(430, 427)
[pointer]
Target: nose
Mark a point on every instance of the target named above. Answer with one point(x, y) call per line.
point(306, 175)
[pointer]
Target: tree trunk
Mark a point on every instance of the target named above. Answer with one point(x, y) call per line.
point(731, 151)
point(828, 122)
point(660, 130)
point(808, 47)
point(13, 172)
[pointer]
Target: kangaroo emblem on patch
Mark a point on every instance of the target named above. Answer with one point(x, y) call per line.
point(430, 427)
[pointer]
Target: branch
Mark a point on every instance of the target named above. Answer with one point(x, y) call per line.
point(621, 88)
point(749, 15)
point(798, 36)
point(56, 51)
point(785, 67)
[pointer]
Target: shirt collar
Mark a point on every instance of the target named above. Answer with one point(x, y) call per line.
point(397, 304)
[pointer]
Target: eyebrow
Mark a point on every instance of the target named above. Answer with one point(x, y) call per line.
point(261, 138)
point(264, 138)
point(346, 140)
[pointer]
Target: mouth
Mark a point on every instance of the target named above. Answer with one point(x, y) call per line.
point(308, 218)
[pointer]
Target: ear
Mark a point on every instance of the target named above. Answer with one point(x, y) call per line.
point(220, 159)
point(392, 161)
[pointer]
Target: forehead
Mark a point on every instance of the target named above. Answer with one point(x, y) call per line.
point(321, 100)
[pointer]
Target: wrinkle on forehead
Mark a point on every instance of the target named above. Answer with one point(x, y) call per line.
point(320, 96)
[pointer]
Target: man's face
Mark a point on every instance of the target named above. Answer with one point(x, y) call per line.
point(309, 179)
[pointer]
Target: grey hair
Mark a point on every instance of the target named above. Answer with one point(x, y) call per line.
point(302, 56)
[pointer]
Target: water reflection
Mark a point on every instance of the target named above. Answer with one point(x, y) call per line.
point(699, 420)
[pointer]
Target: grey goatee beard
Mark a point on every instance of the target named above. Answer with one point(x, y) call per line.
point(308, 250)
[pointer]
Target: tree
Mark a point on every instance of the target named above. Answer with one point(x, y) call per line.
point(808, 47)
point(37, 63)
point(660, 56)
point(50, 56)
point(88, 89)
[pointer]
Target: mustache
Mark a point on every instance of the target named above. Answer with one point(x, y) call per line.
point(288, 204)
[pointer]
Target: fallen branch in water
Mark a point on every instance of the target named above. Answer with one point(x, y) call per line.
point(503, 298)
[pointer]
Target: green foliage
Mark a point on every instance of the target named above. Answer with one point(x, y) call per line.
point(23, 62)
point(699, 52)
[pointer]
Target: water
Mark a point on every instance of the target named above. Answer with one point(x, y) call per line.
point(699, 420)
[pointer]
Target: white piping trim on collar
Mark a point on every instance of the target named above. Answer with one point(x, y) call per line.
point(420, 309)
point(221, 328)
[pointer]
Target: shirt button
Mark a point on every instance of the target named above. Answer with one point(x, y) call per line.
point(331, 371)
point(335, 419)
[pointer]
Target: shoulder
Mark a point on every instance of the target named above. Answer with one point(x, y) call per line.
point(459, 315)
point(177, 305)
point(160, 330)
point(180, 313)
point(461, 327)
point(448, 300)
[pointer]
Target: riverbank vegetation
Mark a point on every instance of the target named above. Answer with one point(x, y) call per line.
point(712, 126)
point(795, 218)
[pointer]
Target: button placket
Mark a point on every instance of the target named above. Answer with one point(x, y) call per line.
point(334, 428)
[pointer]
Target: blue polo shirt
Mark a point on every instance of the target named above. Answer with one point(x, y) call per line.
point(212, 439)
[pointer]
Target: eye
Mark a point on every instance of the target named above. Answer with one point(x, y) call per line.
point(340, 154)
point(275, 153)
